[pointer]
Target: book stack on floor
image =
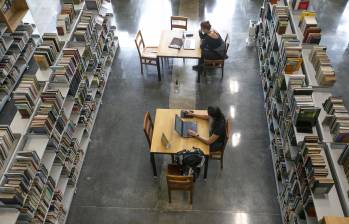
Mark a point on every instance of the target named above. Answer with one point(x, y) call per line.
point(281, 14)
point(7, 141)
point(325, 74)
point(46, 54)
point(300, 4)
point(65, 19)
point(309, 27)
point(26, 94)
point(291, 53)
point(337, 119)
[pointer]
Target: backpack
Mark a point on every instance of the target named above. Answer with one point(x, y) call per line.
point(191, 161)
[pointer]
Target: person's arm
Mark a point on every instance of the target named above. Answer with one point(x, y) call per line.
point(207, 141)
point(200, 116)
point(202, 35)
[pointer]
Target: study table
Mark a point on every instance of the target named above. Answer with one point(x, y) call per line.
point(165, 123)
point(164, 51)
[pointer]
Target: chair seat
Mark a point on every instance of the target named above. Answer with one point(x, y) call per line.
point(216, 155)
point(150, 52)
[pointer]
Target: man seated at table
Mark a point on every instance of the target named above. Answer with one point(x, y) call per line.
point(212, 44)
point(216, 121)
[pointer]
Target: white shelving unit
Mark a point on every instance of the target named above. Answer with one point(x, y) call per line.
point(328, 204)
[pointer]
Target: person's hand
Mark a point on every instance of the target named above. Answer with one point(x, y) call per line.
point(192, 133)
point(189, 113)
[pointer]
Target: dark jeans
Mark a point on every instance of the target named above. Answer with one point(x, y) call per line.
point(216, 146)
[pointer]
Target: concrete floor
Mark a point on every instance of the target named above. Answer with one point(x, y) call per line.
point(116, 184)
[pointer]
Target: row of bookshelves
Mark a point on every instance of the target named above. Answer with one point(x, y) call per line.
point(58, 126)
point(296, 74)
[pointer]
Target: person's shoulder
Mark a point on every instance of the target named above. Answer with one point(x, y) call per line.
point(213, 35)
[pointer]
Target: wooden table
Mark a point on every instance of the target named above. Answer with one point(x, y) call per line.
point(166, 52)
point(165, 123)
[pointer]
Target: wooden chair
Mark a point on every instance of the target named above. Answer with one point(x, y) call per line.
point(218, 155)
point(148, 128)
point(147, 55)
point(214, 64)
point(179, 22)
point(177, 182)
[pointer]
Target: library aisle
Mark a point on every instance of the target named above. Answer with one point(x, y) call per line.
point(79, 100)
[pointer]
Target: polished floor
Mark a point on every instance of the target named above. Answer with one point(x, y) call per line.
point(116, 184)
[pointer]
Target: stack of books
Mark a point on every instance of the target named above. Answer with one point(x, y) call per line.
point(344, 161)
point(21, 36)
point(19, 179)
point(45, 199)
point(31, 204)
point(337, 119)
point(300, 4)
point(47, 115)
point(26, 94)
point(291, 53)
point(56, 212)
point(303, 110)
point(61, 122)
point(6, 144)
point(315, 166)
point(309, 27)
point(93, 4)
point(84, 29)
point(46, 54)
point(325, 74)
point(65, 19)
point(296, 81)
point(281, 14)
point(76, 167)
point(67, 67)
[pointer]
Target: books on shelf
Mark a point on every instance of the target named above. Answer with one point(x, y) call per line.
point(46, 54)
point(337, 119)
point(83, 31)
point(300, 4)
point(309, 27)
point(325, 74)
point(56, 212)
point(291, 53)
point(93, 4)
point(19, 179)
point(7, 141)
point(65, 18)
point(26, 94)
point(281, 16)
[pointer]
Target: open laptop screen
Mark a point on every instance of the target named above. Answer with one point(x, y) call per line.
point(178, 124)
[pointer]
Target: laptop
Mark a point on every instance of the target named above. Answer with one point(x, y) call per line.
point(176, 43)
point(182, 127)
point(189, 44)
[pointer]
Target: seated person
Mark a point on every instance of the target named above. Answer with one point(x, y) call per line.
point(217, 128)
point(212, 45)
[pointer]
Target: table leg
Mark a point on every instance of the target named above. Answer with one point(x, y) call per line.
point(158, 67)
point(152, 160)
point(199, 72)
point(206, 167)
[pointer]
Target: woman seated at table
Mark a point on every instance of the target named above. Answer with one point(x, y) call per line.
point(212, 45)
point(216, 121)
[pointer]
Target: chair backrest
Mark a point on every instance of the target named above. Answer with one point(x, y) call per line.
point(139, 43)
point(227, 43)
point(148, 128)
point(228, 127)
point(218, 63)
point(179, 22)
point(184, 183)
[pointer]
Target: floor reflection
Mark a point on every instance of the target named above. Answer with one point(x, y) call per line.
point(241, 218)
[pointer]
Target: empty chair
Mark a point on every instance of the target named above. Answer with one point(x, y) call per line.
point(177, 182)
point(179, 22)
point(218, 63)
point(148, 128)
point(218, 155)
point(147, 55)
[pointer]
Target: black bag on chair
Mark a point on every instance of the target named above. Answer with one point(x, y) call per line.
point(191, 161)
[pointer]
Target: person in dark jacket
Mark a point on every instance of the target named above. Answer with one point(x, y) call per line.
point(217, 133)
point(212, 44)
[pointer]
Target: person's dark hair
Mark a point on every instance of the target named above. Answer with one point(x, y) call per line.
point(205, 25)
point(215, 113)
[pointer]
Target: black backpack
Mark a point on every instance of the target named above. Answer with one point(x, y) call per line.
point(191, 161)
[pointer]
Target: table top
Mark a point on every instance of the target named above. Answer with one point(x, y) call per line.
point(165, 40)
point(165, 122)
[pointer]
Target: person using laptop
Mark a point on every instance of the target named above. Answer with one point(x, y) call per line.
point(217, 128)
point(212, 45)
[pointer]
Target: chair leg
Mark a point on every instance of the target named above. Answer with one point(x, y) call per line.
point(191, 197)
point(172, 158)
point(169, 196)
point(222, 163)
point(158, 68)
point(142, 69)
point(222, 72)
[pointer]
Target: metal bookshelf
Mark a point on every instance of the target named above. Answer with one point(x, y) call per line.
point(38, 143)
point(330, 204)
